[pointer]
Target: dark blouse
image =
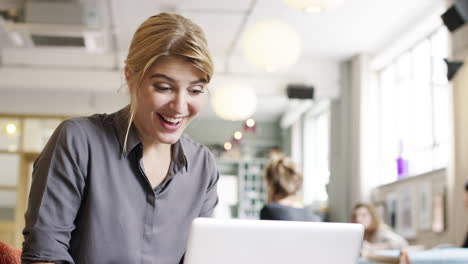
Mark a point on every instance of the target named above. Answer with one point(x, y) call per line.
point(275, 211)
point(91, 203)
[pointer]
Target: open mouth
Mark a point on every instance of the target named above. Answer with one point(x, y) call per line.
point(170, 120)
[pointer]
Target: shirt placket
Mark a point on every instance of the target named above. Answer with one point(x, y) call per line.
point(148, 228)
point(148, 219)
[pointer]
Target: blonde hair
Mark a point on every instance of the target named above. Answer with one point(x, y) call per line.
point(283, 178)
point(375, 223)
point(164, 35)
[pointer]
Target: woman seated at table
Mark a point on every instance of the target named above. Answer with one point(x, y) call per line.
point(284, 180)
point(377, 235)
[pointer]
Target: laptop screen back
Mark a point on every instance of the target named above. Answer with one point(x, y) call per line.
point(234, 241)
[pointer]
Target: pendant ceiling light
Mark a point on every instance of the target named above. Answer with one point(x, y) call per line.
point(271, 45)
point(234, 101)
point(313, 6)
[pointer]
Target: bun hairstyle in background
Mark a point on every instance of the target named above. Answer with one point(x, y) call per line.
point(283, 178)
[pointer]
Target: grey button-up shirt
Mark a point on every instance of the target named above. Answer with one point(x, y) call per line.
point(91, 203)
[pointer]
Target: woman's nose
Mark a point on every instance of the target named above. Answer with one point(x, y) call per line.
point(179, 103)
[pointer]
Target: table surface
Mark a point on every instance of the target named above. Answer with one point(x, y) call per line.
point(431, 256)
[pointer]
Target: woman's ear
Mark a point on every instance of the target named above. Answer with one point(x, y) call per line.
point(128, 77)
point(128, 73)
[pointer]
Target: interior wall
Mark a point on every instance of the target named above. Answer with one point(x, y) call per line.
point(358, 86)
point(51, 102)
point(345, 188)
point(436, 181)
point(458, 172)
point(286, 141)
point(339, 191)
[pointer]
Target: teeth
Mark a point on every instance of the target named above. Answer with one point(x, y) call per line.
point(170, 119)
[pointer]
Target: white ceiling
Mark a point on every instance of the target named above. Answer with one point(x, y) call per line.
point(358, 26)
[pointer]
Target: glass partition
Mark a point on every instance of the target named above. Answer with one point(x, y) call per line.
point(7, 205)
point(10, 129)
point(37, 132)
point(22, 138)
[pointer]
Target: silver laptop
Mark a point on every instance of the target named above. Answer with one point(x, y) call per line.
point(235, 241)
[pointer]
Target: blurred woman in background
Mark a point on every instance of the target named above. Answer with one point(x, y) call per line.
point(284, 181)
point(377, 235)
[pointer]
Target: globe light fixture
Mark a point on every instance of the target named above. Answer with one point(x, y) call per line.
point(271, 45)
point(238, 135)
point(250, 122)
point(10, 129)
point(227, 146)
point(234, 101)
point(313, 6)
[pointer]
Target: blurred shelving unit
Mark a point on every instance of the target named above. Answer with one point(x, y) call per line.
point(251, 187)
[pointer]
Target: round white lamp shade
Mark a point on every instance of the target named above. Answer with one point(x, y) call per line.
point(234, 101)
point(271, 45)
point(313, 5)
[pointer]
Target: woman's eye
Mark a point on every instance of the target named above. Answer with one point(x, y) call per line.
point(196, 90)
point(161, 88)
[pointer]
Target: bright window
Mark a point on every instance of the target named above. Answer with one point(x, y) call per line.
point(414, 110)
point(316, 155)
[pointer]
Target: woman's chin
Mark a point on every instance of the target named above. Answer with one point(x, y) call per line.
point(169, 139)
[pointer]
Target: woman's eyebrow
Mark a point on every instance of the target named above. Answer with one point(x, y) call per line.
point(200, 81)
point(160, 75)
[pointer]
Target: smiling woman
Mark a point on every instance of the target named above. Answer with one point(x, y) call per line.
point(124, 187)
point(169, 97)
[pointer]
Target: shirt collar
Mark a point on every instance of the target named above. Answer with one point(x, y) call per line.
point(178, 155)
point(121, 125)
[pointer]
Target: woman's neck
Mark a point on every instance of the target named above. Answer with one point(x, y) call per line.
point(152, 148)
point(150, 145)
point(156, 150)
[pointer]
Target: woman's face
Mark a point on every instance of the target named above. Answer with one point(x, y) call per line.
point(363, 217)
point(169, 97)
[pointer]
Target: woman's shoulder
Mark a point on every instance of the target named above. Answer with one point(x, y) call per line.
point(95, 120)
point(187, 141)
point(81, 129)
point(385, 233)
point(273, 205)
point(266, 212)
point(385, 230)
point(192, 147)
point(276, 207)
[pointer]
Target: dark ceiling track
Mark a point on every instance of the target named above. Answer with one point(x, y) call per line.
point(238, 34)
